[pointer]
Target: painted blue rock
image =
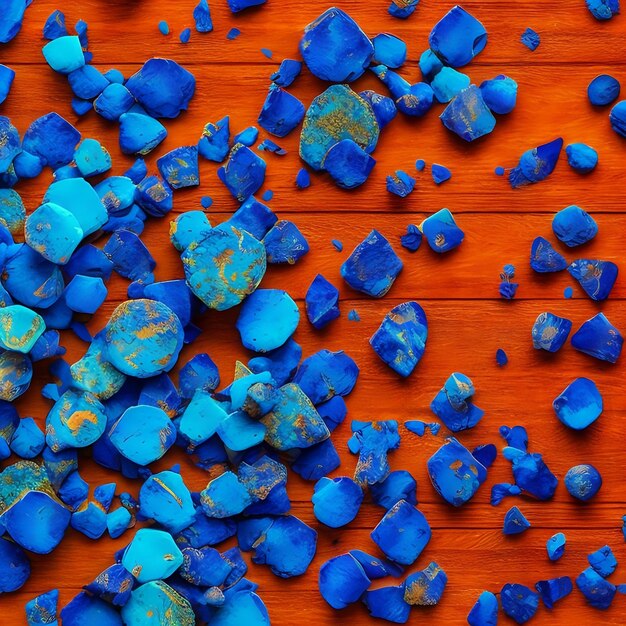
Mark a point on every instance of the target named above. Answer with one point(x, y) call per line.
point(555, 547)
point(544, 258)
point(531, 474)
point(372, 267)
point(140, 134)
point(294, 422)
point(52, 139)
point(448, 82)
point(284, 243)
point(402, 9)
point(243, 173)
point(286, 73)
point(603, 9)
point(89, 519)
point(317, 461)
point(281, 112)
point(326, 374)
point(189, 227)
point(157, 604)
point(603, 561)
point(336, 114)
point(581, 157)
point(6, 81)
point(165, 499)
point(87, 82)
point(11, 144)
point(76, 420)
point(398, 485)
point(162, 87)
point(179, 167)
point(389, 50)
point(225, 496)
point(454, 409)
point(598, 338)
point(412, 100)
point(574, 226)
point(280, 363)
point(87, 609)
point(485, 611)
point(426, 587)
point(617, 117)
point(530, 39)
point(204, 567)
point(388, 603)
point(16, 373)
point(400, 184)
point(64, 54)
point(455, 473)
point(384, 107)
point(20, 328)
point(372, 441)
point(499, 94)
point(514, 522)
point(92, 158)
point(468, 116)
point(267, 319)
point(43, 609)
point(603, 90)
point(457, 37)
point(249, 136)
point(348, 164)
point(12, 211)
point(288, 546)
point(114, 102)
point(583, 482)
point(257, 219)
point(28, 440)
point(334, 48)
point(114, 585)
point(200, 372)
point(322, 302)
point(336, 501)
point(143, 434)
point(154, 196)
point(554, 589)
point(152, 555)
point(15, 566)
point(579, 405)
point(519, 602)
point(598, 592)
point(214, 142)
point(402, 533)
point(536, 164)
point(595, 277)
point(550, 332)
point(441, 231)
point(342, 581)
point(85, 294)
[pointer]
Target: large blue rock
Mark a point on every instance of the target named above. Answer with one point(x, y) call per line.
point(554, 589)
point(583, 482)
point(426, 587)
point(389, 50)
point(468, 116)
point(412, 100)
point(52, 139)
point(579, 405)
point(64, 54)
point(544, 258)
point(336, 501)
point(342, 581)
point(595, 277)
point(574, 226)
point(399, 485)
point(348, 164)
point(598, 338)
point(500, 94)
point(550, 332)
point(519, 602)
point(457, 37)
point(179, 167)
point(598, 592)
point(536, 164)
point(515, 522)
point(334, 48)
point(581, 157)
point(603, 561)
point(485, 610)
point(326, 374)
point(281, 112)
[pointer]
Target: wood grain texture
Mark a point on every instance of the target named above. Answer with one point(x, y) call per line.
point(467, 320)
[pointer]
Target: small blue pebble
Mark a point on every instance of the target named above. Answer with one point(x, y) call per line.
point(303, 179)
point(603, 90)
point(530, 39)
point(338, 245)
point(544, 258)
point(233, 33)
point(519, 602)
point(185, 35)
point(581, 157)
point(515, 522)
point(556, 546)
point(499, 171)
point(353, 315)
point(164, 28)
point(485, 610)
point(287, 72)
point(402, 9)
point(420, 164)
point(442, 232)
point(554, 589)
point(412, 239)
point(583, 482)
point(267, 196)
point(597, 337)
point(202, 17)
point(267, 53)
point(603, 9)
point(500, 94)
point(501, 357)
point(400, 184)
point(536, 164)
point(55, 26)
point(595, 277)
point(440, 173)
point(603, 561)
point(389, 50)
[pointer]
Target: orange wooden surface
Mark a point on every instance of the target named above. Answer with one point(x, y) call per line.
point(468, 321)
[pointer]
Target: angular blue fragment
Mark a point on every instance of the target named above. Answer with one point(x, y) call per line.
point(287, 72)
point(317, 461)
point(87, 609)
point(519, 602)
point(336, 501)
point(247, 137)
point(322, 302)
point(342, 581)
point(384, 107)
point(334, 47)
point(52, 139)
point(536, 164)
point(603, 561)
point(326, 374)
point(374, 567)
point(603, 9)
point(603, 90)
point(389, 50)
point(412, 239)
point(468, 116)
point(372, 441)
point(574, 226)
point(402, 9)
point(388, 603)
point(267, 145)
point(179, 167)
point(280, 363)
point(501, 357)
point(165, 498)
point(185, 35)
point(499, 94)
point(43, 609)
point(554, 589)
point(55, 25)
point(87, 82)
point(284, 243)
point(440, 173)
point(579, 405)
point(549, 332)
point(452, 405)
point(398, 485)
point(581, 157)
point(515, 437)
point(426, 587)
point(544, 258)
point(243, 173)
point(595, 277)
point(530, 39)
point(598, 338)
point(281, 112)
point(583, 482)
point(140, 134)
point(348, 164)
point(458, 37)
point(514, 522)
point(555, 547)
point(400, 184)
point(113, 585)
point(485, 610)
point(233, 33)
point(442, 232)
point(14, 566)
point(130, 257)
point(448, 82)
point(116, 100)
point(202, 17)
point(89, 519)
point(214, 142)
point(598, 592)
point(531, 474)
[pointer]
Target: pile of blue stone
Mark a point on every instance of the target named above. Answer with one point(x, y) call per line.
point(279, 411)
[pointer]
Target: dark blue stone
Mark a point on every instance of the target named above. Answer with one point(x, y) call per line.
point(284, 243)
point(348, 164)
point(536, 164)
point(322, 302)
point(544, 258)
point(239, 5)
point(214, 143)
point(598, 592)
point(603, 9)
point(581, 157)
point(402, 9)
point(87, 609)
point(554, 589)
point(603, 561)
point(603, 90)
point(372, 441)
point(87, 82)
point(389, 50)
point(531, 474)
point(342, 581)
point(336, 501)
point(583, 482)
point(550, 332)
point(43, 609)
point(243, 173)
point(281, 112)
point(579, 405)
point(574, 226)
point(202, 17)
point(398, 485)
point(400, 184)
point(280, 363)
point(555, 547)
point(412, 239)
point(388, 603)
point(384, 107)
point(287, 72)
point(116, 100)
point(454, 409)
point(468, 116)
point(458, 37)
point(114, 585)
point(514, 522)
point(179, 167)
point(440, 173)
point(254, 217)
point(598, 338)
point(595, 277)
point(52, 139)
point(317, 461)
point(530, 39)
point(519, 602)
point(55, 26)
point(14, 566)
point(485, 611)
point(326, 374)
point(442, 232)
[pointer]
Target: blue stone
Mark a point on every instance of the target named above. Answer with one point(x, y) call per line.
point(440, 173)
point(485, 610)
point(398, 485)
point(595, 277)
point(384, 107)
point(20, 328)
point(372, 441)
point(598, 592)
point(64, 54)
point(154, 196)
point(114, 102)
point(239, 5)
point(243, 173)
point(337, 113)
point(164, 27)
point(267, 145)
point(555, 547)
point(280, 363)
point(574, 226)
point(185, 35)
point(47, 346)
point(448, 82)
point(334, 48)
point(430, 65)
point(453, 408)
point(117, 193)
point(333, 412)
point(402, 9)
point(426, 587)
point(152, 555)
point(89, 519)
point(284, 243)
point(288, 546)
point(204, 567)
point(457, 37)
point(157, 604)
point(550, 332)
point(499, 94)
point(27, 440)
point(225, 496)
point(179, 167)
point(87, 82)
point(441, 231)
point(402, 534)
point(12, 211)
point(554, 589)
point(388, 603)
point(455, 473)
point(200, 372)
point(15, 566)
point(579, 405)
point(87, 609)
point(202, 17)
point(165, 498)
point(400, 184)
point(85, 294)
point(11, 143)
point(92, 158)
point(544, 258)
point(467, 115)
point(55, 25)
point(348, 164)
point(583, 482)
point(28, 165)
point(536, 164)
point(43, 609)
point(412, 239)
point(287, 72)
point(530, 39)
point(581, 157)
point(603, 90)
point(214, 143)
point(317, 461)
point(603, 561)
point(281, 112)
point(531, 474)
point(519, 602)
point(374, 567)
point(514, 522)
point(114, 585)
point(336, 501)
point(603, 9)
point(598, 338)
point(52, 139)
point(326, 374)
point(16, 373)
point(322, 302)
point(389, 50)
point(176, 295)
point(257, 219)
point(342, 581)
point(248, 136)
point(140, 134)
point(413, 100)
point(162, 87)
point(372, 267)
point(501, 357)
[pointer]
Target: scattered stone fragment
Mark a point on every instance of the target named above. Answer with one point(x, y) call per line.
point(164, 28)
point(426, 587)
point(353, 315)
point(583, 482)
point(412, 100)
point(336, 501)
point(515, 522)
point(281, 112)
point(116, 100)
point(598, 338)
point(555, 547)
point(43, 609)
point(303, 179)
point(239, 5)
point(64, 54)
point(398, 485)
point(87, 82)
point(501, 357)
point(458, 37)
point(243, 173)
point(595, 277)
point(468, 116)
point(400, 184)
point(326, 374)
point(499, 94)
point(287, 72)
point(441, 231)
point(452, 404)
point(603, 9)
point(598, 592)
point(372, 267)
point(322, 302)
point(284, 243)
point(52, 139)
point(485, 611)
point(179, 167)
point(447, 83)
point(530, 39)
point(92, 158)
point(603, 89)
point(402, 9)
point(581, 157)
point(334, 48)
point(267, 145)
point(440, 173)
point(400, 341)
point(348, 164)
point(185, 35)
point(387, 603)
point(214, 143)
point(554, 589)
point(550, 332)
point(536, 164)
point(530, 472)
point(389, 50)
point(412, 239)
point(603, 561)
point(574, 226)
point(579, 405)
point(384, 107)
point(15, 569)
point(55, 25)
point(152, 555)
point(519, 602)
point(233, 33)
point(87, 609)
point(342, 581)
point(372, 441)
point(544, 258)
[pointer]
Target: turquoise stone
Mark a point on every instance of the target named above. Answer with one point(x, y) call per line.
point(16, 372)
point(20, 328)
point(64, 54)
point(164, 497)
point(12, 211)
point(152, 555)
